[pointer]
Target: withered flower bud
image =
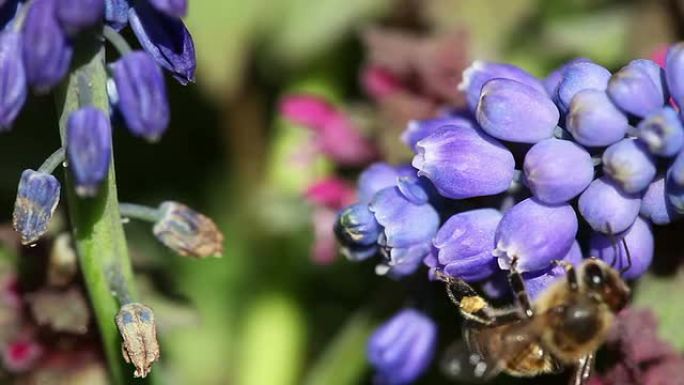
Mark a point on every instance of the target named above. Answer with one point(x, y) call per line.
point(188, 232)
point(139, 332)
point(37, 198)
point(62, 265)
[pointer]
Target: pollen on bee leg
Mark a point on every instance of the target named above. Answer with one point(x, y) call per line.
point(472, 304)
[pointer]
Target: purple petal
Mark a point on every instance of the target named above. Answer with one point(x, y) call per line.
point(594, 121)
point(639, 239)
point(662, 132)
point(633, 88)
point(629, 164)
point(172, 8)
point(607, 208)
point(578, 76)
point(13, 87)
point(655, 206)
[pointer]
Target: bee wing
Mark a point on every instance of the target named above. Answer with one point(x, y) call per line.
point(459, 363)
point(583, 370)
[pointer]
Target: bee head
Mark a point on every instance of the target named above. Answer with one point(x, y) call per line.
point(604, 283)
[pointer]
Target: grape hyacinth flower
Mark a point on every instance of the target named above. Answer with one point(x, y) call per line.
point(37, 198)
point(89, 149)
point(639, 240)
point(378, 176)
point(47, 50)
point(140, 95)
point(655, 205)
point(76, 15)
point(188, 232)
point(13, 87)
point(557, 170)
point(537, 282)
point(637, 88)
point(116, 13)
point(662, 132)
point(137, 327)
point(515, 112)
point(579, 76)
point(463, 246)
point(463, 162)
point(629, 164)
point(594, 121)
point(418, 130)
point(358, 232)
point(402, 348)
point(607, 208)
point(480, 72)
point(171, 8)
point(674, 72)
point(547, 234)
point(166, 39)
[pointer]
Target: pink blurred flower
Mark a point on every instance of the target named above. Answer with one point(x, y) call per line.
point(335, 134)
point(379, 82)
point(659, 54)
point(333, 193)
point(20, 355)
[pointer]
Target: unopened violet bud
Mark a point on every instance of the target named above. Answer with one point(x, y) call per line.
point(513, 111)
point(188, 232)
point(629, 164)
point(141, 95)
point(557, 170)
point(37, 198)
point(480, 72)
point(138, 330)
point(46, 49)
point(553, 80)
point(13, 87)
point(171, 8)
point(594, 121)
point(639, 240)
point(166, 39)
point(76, 15)
point(534, 234)
point(402, 348)
point(662, 132)
point(674, 72)
point(356, 226)
point(418, 130)
point(633, 89)
point(116, 13)
point(607, 208)
point(675, 193)
point(655, 205)
point(578, 76)
point(463, 162)
point(378, 176)
point(676, 171)
point(89, 149)
point(464, 244)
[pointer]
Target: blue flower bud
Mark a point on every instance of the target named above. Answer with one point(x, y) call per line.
point(46, 49)
point(172, 8)
point(116, 13)
point(578, 76)
point(401, 349)
point(76, 15)
point(464, 244)
point(188, 232)
point(629, 164)
point(379, 176)
point(557, 170)
point(633, 89)
point(674, 72)
point(463, 162)
point(418, 130)
point(480, 72)
point(662, 131)
point(141, 95)
point(12, 78)
point(356, 226)
point(536, 283)
point(607, 208)
point(674, 192)
point(37, 198)
point(513, 111)
point(89, 149)
point(676, 170)
point(639, 239)
point(655, 206)
point(166, 39)
point(535, 234)
point(553, 80)
point(594, 121)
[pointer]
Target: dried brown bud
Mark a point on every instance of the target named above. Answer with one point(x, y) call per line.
point(139, 332)
point(62, 265)
point(188, 232)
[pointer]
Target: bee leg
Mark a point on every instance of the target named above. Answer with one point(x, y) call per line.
point(570, 273)
point(518, 286)
point(472, 306)
point(583, 370)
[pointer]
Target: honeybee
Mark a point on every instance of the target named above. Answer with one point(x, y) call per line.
point(562, 329)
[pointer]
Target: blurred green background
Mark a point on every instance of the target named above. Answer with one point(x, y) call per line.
point(264, 313)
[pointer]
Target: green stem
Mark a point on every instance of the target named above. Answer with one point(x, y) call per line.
point(96, 223)
point(52, 162)
point(143, 213)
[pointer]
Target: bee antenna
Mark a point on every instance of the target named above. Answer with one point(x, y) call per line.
point(629, 257)
point(613, 244)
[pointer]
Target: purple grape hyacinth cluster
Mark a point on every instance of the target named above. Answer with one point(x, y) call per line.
point(511, 180)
